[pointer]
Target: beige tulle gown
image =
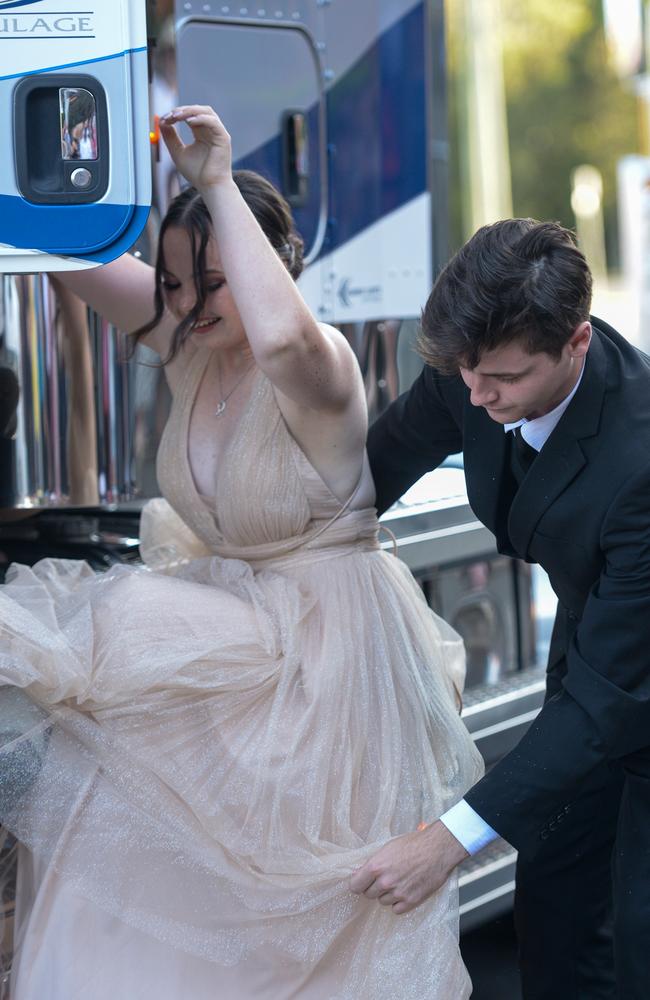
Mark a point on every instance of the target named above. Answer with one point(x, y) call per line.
point(205, 748)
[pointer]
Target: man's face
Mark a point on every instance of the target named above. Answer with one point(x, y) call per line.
point(512, 384)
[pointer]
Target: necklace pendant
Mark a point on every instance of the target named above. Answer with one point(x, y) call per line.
point(220, 408)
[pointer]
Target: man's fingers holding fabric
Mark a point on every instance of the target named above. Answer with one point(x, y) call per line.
point(409, 869)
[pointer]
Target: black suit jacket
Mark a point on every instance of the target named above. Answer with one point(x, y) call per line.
point(583, 513)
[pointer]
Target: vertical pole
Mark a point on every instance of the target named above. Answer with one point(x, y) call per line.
point(488, 159)
point(437, 132)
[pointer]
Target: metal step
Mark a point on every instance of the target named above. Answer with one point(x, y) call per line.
point(498, 715)
point(486, 884)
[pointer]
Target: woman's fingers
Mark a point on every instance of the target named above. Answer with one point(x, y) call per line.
point(207, 121)
point(188, 111)
point(171, 137)
point(177, 114)
point(206, 159)
point(200, 118)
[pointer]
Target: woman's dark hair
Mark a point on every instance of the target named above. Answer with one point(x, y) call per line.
point(81, 108)
point(188, 211)
point(514, 280)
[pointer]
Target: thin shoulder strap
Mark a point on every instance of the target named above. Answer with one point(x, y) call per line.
point(323, 528)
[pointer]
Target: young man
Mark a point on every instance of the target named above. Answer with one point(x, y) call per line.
point(552, 412)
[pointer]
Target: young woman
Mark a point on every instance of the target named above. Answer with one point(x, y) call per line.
point(212, 744)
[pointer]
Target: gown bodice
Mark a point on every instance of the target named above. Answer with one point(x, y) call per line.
point(268, 499)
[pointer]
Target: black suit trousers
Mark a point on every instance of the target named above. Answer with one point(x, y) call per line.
point(631, 871)
point(582, 901)
point(564, 902)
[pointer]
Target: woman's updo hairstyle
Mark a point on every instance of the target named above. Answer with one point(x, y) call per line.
point(274, 217)
point(188, 211)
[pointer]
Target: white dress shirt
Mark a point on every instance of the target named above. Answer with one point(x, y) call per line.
point(461, 820)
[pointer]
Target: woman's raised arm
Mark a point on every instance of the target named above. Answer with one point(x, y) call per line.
point(309, 363)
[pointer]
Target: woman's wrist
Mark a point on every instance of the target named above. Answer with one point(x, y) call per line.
point(216, 184)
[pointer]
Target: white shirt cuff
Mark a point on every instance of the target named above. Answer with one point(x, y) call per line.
point(467, 827)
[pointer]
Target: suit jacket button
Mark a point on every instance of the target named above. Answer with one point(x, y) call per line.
point(544, 834)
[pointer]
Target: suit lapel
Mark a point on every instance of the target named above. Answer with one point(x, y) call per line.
point(562, 457)
point(557, 465)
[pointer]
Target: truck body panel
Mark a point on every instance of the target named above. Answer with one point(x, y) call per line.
point(48, 49)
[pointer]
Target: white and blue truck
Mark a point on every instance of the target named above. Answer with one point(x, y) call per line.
point(342, 104)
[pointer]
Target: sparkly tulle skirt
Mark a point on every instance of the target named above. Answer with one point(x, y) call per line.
point(195, 757)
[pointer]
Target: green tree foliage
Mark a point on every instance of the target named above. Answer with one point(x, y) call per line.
point(565, 105)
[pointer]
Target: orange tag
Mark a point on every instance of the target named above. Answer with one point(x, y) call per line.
point(154, 135)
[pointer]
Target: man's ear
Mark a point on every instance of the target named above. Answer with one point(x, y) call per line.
point(579, 340)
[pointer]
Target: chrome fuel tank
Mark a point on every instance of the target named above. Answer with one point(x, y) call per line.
point(78, 421)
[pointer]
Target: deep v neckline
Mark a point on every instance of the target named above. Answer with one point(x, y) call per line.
point(190, 393)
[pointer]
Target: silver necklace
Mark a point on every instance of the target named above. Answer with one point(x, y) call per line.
point(221, 405)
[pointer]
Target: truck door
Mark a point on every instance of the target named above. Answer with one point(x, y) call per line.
point(264, 80)
point(330, 101)
point(74, 109)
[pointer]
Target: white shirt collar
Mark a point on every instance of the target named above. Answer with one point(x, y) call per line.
point(537, 432)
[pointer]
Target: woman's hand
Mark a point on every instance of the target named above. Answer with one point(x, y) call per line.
point(208, 160)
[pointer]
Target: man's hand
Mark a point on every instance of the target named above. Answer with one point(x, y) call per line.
point(409, 869)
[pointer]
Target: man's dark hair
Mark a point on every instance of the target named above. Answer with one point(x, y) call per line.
point(516, 280)
point(81, 108)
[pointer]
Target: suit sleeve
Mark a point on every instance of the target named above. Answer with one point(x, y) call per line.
point(602, 712)
point(414, 435)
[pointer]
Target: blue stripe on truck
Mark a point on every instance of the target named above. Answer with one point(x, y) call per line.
point(72, 65)
point(372, 171)
point(8, 4)
point(95, 228)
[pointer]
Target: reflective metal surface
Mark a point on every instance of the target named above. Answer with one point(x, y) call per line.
point(78, 421)
point(78, 113)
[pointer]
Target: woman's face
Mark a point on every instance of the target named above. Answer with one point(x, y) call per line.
point(219, 326)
